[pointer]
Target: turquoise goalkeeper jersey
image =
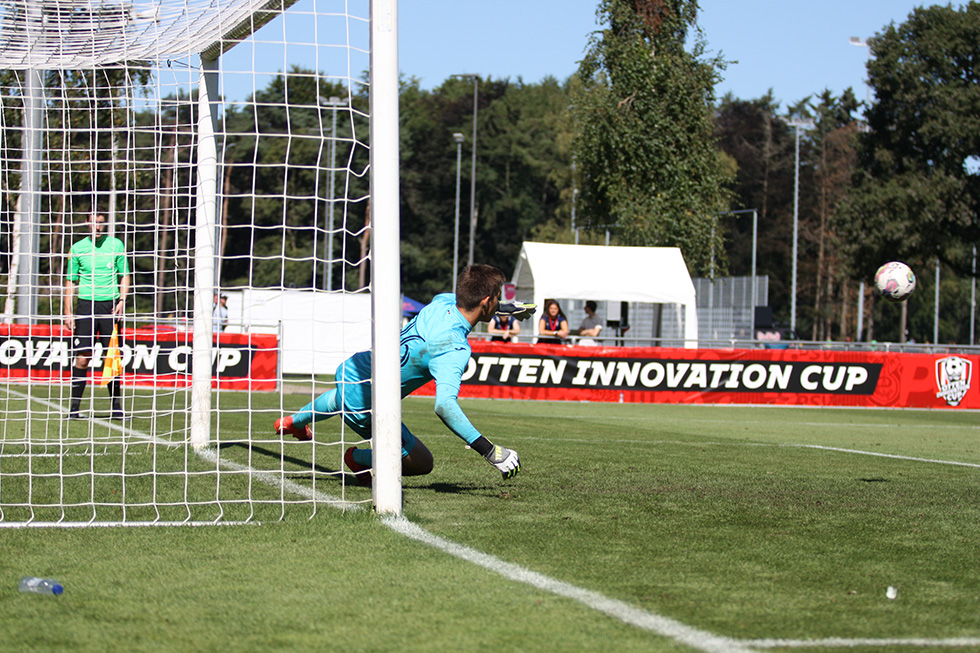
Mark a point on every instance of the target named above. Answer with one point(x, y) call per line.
point(95, 267)
point(433, 347)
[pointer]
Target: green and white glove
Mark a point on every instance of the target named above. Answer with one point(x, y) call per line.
point(517, 310)
point(505, 460)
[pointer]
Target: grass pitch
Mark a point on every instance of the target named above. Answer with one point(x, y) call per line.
point(754, 524)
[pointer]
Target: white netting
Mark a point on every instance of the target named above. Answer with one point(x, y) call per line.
point(77, 34)
point(100, 109)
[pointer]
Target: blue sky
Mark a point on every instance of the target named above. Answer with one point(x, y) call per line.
point(796, 48)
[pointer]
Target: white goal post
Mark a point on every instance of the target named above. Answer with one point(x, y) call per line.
point(231, 146)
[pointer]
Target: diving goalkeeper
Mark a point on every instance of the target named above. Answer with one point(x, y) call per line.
point(433, 346)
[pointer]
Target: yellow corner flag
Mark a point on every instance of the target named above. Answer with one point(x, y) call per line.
point(113, 359)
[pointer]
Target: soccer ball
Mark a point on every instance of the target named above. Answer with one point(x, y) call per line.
point(895, 281)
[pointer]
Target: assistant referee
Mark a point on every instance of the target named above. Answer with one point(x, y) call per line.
point(99, 272)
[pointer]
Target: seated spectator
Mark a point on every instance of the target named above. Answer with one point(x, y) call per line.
point(591, 326)
point(552, 327)
point(503, 328)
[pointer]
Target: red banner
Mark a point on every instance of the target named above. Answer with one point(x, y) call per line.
point(156, 357)
point(719, 376)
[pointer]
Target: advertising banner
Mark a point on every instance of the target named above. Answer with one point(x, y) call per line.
point(158, 357)
point(719, 376)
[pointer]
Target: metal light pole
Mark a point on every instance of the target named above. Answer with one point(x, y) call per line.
point(973, 298)
point(223, 179)
point(459, 159)
point(755, 250)
point(935, 316)
point(335, 103)
point(861, 43)
point(476, 85)
point(574, 196)
point(799, 123)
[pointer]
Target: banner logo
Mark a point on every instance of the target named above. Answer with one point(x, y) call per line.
point(673, 375)
point(953, 377)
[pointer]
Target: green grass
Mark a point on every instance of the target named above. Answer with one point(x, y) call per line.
point(739, 521)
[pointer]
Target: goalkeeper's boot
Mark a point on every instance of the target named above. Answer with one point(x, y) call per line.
point(516, 309)
point(284, 425)
point(361, 473)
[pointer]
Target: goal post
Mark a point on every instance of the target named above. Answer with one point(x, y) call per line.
point(385, 244)
point(246, 148)
point(204, 249)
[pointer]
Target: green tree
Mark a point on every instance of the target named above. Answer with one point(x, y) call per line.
point(833, 160)
point(276, 185)
point(917, 191)
point(84, 125)
point(523, 173)
point(646, 151)
point(761, 144)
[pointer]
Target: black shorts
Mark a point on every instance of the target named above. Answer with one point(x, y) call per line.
point(92, 320)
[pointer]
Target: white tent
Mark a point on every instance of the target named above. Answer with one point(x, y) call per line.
point(655, 275)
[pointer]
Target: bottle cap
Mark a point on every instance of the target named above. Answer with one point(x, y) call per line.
point(57, 589)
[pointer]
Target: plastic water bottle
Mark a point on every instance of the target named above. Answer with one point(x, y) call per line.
point(40, 585)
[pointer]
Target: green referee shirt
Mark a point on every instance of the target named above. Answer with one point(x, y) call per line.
point(95, 268)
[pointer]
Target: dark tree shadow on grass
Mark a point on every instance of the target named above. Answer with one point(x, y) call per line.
point(316, 471)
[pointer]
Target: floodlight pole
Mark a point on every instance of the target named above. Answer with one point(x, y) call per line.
point(935, 315)
point(799, 123)
point(755, 250)
point(476, 85)
point(861, 43)
point(459, 159)
point(973, 297)
point(335, 103)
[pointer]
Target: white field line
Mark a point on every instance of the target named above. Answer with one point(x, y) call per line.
point(698, 639)
point(680, 632)
point(280, 483)
point(841, 642)
point(881, 455)
point(732, 443)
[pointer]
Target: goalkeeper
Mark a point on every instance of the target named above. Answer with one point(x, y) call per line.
point(433, 346)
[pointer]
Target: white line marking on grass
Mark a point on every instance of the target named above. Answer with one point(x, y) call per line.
point(279, 483)
point(112, 427)
point(731, 443)
point(841, 642)
point(881, 455)
point(699, 639)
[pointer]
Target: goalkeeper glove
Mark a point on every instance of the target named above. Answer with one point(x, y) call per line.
point(517, 310)
point(505, 460)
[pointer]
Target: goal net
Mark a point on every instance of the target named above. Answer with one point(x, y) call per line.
point(234, 149)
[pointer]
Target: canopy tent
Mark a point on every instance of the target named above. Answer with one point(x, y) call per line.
point(410, 306)
point(655, 275)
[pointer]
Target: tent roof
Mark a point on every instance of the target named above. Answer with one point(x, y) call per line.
point(656, 275)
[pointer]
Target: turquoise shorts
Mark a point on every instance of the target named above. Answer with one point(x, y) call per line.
point(354, 398)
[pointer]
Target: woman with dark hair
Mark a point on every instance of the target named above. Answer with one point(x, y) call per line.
point(552, 327)
point(503, 328)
